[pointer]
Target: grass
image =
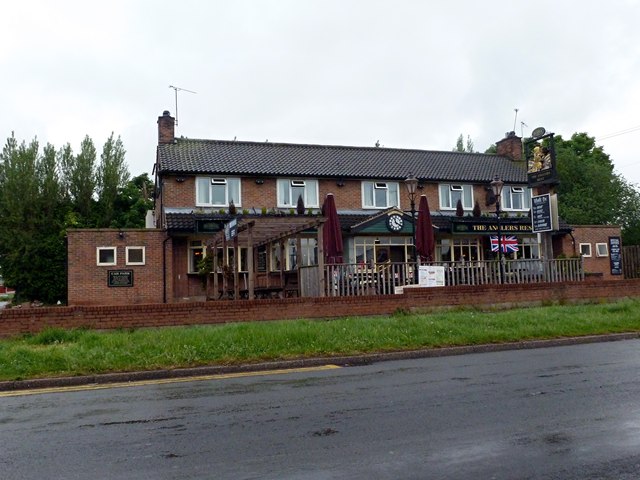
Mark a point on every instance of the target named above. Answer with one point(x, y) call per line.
point(57, 352)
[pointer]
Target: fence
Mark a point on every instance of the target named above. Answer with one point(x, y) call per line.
point(342, 280)
point(631, 261)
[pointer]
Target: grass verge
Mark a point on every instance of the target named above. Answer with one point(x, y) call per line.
point(58, 352)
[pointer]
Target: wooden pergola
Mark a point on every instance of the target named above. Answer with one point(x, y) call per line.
point(253, 233)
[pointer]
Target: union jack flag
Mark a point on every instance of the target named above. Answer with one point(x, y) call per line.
point(509, 244)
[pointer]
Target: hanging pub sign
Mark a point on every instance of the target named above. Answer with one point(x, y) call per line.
point(541, 158)
point(615, 255)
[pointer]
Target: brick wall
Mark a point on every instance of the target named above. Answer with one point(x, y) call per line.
point(87, 281)
point(347, 197)
point(16, 321)
point(593, 234)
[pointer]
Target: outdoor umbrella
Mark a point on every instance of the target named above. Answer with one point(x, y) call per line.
point(425, 242)
point(332, 235)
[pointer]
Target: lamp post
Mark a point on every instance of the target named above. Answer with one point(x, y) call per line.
point(496, 186)
point(412, 184)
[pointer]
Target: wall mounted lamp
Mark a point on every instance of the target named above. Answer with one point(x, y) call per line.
point(179, 179)
point(259, 181)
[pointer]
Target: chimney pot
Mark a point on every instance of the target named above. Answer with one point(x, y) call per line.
point(166, 128)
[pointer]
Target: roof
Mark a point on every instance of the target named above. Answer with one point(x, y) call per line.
point(190, 156)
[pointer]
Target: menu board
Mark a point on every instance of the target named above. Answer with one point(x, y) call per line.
point(541, 219)
point(615, 255)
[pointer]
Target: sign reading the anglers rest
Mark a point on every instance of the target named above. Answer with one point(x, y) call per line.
point(544, 213)
point(120, 278)
point(489, 228)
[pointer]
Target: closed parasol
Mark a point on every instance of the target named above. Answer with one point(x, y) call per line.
point(425, 241)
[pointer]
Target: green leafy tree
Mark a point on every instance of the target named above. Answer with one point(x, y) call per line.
point(133, 202)
point(461, 146)
point(32, 249)
point(629, 215)
point(81, 181)
point(111, 177)
point(589, 191)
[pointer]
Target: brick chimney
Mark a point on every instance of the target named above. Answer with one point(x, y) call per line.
point(166, 128)
point(510, 146)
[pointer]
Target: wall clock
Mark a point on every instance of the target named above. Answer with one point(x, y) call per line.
point(395, 222)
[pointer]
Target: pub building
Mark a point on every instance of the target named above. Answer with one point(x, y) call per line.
point(274, 193)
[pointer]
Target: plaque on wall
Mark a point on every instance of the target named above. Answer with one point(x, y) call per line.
point(120, 278)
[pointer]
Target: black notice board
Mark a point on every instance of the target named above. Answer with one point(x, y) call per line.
point(615, 255)
point(120, 278)
point(541, 220)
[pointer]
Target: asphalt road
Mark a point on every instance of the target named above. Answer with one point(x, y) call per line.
point(568, 412)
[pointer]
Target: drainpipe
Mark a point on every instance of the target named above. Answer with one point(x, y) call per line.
point(164, 269)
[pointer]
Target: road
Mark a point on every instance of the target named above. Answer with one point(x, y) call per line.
point(553, 413)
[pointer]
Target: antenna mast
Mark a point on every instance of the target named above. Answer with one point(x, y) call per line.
point(515, 119)
point(175, 89)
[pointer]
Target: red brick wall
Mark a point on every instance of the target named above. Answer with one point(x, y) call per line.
point(16, 321)
point(87, 282)
point(593, 234)
point(347, 197)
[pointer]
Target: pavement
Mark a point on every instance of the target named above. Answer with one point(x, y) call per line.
point(353, 360)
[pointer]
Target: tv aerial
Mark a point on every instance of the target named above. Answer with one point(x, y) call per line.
point(176, 90)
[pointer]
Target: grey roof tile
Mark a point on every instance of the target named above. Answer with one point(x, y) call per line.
point(188, 156)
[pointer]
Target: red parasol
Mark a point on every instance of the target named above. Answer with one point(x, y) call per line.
point(425, 241)
point(332, 237)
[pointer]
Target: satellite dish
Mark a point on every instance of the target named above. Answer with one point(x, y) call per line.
point(538, 132)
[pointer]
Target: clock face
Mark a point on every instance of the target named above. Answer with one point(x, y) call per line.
point(395, 222)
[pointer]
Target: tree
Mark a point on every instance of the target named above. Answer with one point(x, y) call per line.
point(629, 217)
point(461, 147)
point(133, 202)
point(32, 249)
point(43, 194)
point(111, 177)
point(81, 181)
point(589, 191)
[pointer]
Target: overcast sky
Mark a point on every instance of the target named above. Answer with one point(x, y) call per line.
point(407, 73)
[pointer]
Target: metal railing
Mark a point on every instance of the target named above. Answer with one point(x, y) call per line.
point(380, 279)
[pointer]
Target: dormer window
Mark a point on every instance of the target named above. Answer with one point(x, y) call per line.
point(451, 193)
point(290, 190)
point(380, 194)
point(516, 198)
point(217, 191)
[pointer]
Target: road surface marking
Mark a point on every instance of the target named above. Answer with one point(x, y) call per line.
point(161, 381)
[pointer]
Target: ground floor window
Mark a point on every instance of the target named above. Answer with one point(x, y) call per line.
point(458, 249)
point(197, 250)
point(195, 254)
point(308, 254)
point(470, 249)
point(370, 250)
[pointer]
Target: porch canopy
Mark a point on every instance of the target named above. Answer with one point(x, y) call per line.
point(253, 232)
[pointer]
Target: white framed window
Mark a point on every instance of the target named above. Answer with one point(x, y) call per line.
point(218, 191)
point(308, 254)
point(602, 250)
point(135, 255)
point(516, 198)
point(197, 251)
point(380, 194)
point(451, 193)
point(585, 249)
point(106, 256)
point(289, 190)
